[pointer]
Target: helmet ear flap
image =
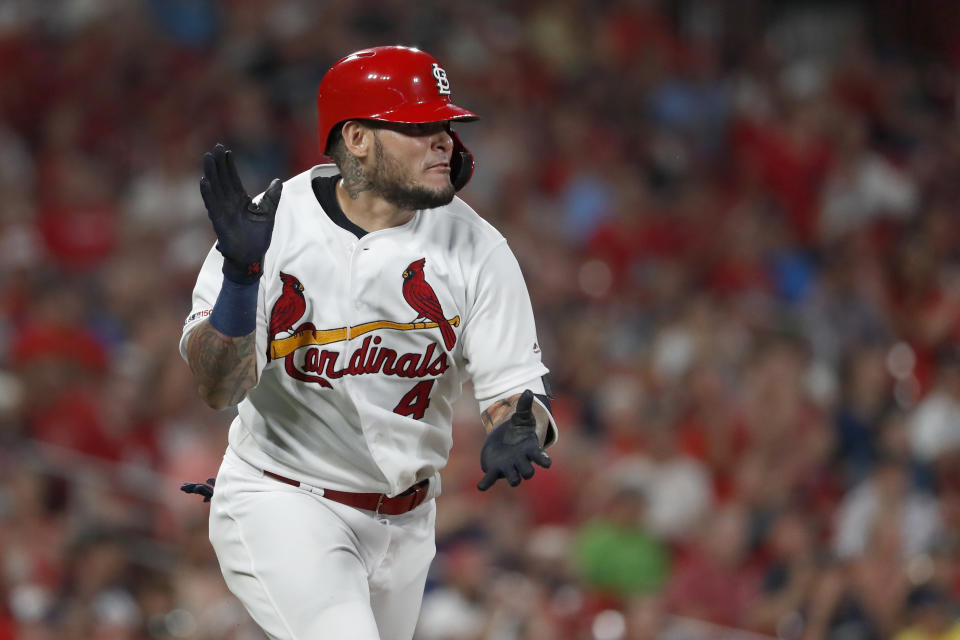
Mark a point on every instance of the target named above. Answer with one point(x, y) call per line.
point(461, 163)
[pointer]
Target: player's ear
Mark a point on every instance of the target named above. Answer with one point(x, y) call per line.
point(357, 138)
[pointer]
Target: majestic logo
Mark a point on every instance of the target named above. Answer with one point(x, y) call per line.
point(443, 84)
point(320, 365)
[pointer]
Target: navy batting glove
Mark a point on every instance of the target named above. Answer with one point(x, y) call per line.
point(205, 490)
point(510, 448)
point(243, 228)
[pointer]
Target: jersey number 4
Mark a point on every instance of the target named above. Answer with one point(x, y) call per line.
point(414, 403)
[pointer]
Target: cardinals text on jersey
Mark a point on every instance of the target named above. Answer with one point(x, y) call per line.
point(320, 365)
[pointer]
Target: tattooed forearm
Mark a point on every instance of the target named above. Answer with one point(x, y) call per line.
point(225, 367)
point(499, 412)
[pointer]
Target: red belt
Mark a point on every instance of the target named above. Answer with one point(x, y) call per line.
point(378, 502)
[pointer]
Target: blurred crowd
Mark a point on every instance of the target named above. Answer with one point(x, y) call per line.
point(738, 222)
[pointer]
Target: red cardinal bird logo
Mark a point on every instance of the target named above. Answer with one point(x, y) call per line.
point(420, 295)
point(289, 307)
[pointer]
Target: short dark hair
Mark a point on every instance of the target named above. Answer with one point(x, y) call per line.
point(336, 149)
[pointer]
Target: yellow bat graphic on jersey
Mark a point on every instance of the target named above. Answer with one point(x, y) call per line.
point(308, 336)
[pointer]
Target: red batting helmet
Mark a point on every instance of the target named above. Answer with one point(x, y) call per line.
point(392, 84)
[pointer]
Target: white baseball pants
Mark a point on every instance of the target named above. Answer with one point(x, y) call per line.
point(308, 568)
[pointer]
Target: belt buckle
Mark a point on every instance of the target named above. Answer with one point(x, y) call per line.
point(379, 504)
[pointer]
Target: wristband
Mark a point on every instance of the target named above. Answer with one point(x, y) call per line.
point(235, 312)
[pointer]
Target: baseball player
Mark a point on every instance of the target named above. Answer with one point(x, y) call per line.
point(343, 309)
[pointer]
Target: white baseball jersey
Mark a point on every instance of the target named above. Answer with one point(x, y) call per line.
point(356, 377)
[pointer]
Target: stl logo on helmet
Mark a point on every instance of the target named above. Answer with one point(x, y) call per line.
point(443, 84)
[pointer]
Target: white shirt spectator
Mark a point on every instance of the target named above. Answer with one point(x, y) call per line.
point(935, 426)
point(677, 488)
point(871, 189)
point(863, 506)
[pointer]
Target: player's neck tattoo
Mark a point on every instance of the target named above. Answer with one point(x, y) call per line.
point(352, 178)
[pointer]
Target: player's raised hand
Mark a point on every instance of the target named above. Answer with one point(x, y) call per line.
point(511, 447)
point(243, 227)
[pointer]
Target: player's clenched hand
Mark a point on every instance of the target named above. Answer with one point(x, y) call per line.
point(243, 227)
point(203, 489)
point(511, 447)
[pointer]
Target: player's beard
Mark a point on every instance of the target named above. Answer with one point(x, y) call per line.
point(389, 180)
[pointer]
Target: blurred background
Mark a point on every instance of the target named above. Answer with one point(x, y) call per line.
point(738, 221)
